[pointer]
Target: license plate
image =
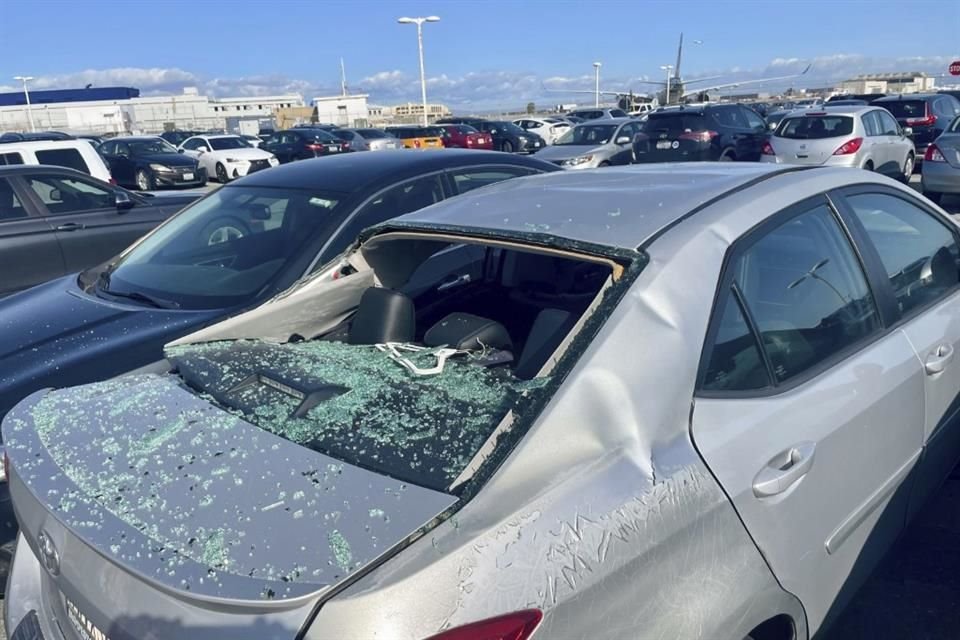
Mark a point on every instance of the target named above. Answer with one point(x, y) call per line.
point(333, 148)
point(188, 176)
point(84, 628)
point(664, 144)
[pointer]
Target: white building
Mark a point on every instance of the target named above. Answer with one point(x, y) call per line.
point(415, 110)
point(346, 111)
point(911, 82)
point(93, 117)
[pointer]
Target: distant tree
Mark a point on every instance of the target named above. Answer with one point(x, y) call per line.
point(531, 108)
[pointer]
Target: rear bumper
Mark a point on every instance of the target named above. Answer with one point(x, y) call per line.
point(24, 597)
point(175, 179)
point(940, 177)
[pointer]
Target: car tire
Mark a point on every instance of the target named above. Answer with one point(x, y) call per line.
point(908, 166)
point(222, 176)
point(143, 180)
point(727, 156)
point(223, 230)
point(868, 165)
point(506, 147)
point(604, 164)
point(933, 196)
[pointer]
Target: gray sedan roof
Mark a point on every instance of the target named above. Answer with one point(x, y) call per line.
point(614, 206)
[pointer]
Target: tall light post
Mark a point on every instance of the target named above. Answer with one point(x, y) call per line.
point(26, 93)
point(596, 73)
point(668, 68)
point(423, 78)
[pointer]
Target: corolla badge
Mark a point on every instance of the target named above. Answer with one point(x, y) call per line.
point(49, 556)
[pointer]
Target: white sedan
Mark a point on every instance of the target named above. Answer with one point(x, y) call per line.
point(550, 129)
point(227, 156)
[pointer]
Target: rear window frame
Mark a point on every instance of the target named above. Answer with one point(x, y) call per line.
point(83, 167)
point(808, 117)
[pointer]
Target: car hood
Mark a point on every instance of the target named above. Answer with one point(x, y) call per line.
point(245, 154)
point(567, 151)
point(55, 334)
point(169, 159)
point(194, 500)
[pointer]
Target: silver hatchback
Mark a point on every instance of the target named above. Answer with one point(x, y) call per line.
point(849, 136)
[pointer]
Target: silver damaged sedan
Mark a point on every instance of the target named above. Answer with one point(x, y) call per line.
point(596, 143)
point(670, 401)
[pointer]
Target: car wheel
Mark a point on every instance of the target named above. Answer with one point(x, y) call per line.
point(144, 180)
point(868, 166)
point(727, 156)
point(933, 196)
point(506, 147)
point(224, 230)
point(907, 169)
point(604, 164)
point(222, 177)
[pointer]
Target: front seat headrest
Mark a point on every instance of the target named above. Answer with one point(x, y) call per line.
point(383, 316)
point(468, 332)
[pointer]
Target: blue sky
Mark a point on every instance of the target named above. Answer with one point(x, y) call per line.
point(489, 53)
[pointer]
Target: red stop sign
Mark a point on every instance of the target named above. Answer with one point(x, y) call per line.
point(955, 68)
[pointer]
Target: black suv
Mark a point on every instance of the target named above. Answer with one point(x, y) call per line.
point(689, 133)
point(301, 143)
point(509, 137)
point(928, 114)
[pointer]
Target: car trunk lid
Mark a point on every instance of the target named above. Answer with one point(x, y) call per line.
point(949, 145)
point(148, 489)
point(809, 152)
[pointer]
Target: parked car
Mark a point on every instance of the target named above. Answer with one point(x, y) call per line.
point(413, 137)
point(774, 117)
point(55, 221)
point(597, 113)
point(468, 120)
point(227, 157)
point(940, 171)
point(177, 137)
point(12, 136)
point(75, 154)
point(859, 137)
point(550, 129)
point(464, 136)
point(510, 138)
point(473, 401)
point(301, 144)
point(868, 97)
point(595, 143)
point(150, 162)
point(927, 115)
point(723, 132)
point(378, 139)
point(851, 102)
point(252, 140)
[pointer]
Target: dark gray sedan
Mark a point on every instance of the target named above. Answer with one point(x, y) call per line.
point(941, 164)
point(55, 221)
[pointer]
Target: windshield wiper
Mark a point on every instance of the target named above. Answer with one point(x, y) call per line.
point(159, 303)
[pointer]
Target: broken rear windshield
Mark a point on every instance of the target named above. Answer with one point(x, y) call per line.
point(356, 404)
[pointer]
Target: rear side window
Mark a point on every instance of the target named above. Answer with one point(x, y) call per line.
point(618, 113)
point(919, 253)
point(470, 179)
point(63, 158)
point(10, 206)
point(906, 108)
point(806, 296)
point(815, 127)
point(11, 158)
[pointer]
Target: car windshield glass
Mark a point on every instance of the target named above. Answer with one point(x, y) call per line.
point(224, 249)
point(905, 108)
point(219, 144)
point(815, 127)
point(675, 123)
point(588, 134)
point(148, 147)
point(509, 127)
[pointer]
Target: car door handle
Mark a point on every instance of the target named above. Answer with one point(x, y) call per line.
point(69, 226)
point(784, 470)
point(939, 359)
point(455, 282)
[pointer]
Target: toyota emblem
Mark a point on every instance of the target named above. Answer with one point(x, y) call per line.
point(49, 556)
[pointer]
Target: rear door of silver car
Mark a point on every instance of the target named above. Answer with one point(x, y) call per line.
point(810, 407)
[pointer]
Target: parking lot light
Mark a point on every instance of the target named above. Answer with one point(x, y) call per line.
point(26, 94)
point(423, 78)
point(596, 73)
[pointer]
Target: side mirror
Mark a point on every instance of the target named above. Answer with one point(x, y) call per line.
point(907, 131)
point(200, 150)
point(56, 196)
point(772, 126)
point(623, 140)
point(122, 200)
point(181, 150)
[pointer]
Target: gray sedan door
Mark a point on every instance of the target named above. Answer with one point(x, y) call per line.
point(29, 251)
point(809, 412)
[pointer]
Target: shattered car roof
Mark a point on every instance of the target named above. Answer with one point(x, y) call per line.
point(612, 206)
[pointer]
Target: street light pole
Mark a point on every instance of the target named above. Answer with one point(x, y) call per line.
point(668, 68)
point(596, 72)
point(423, 77)
point(26, 94)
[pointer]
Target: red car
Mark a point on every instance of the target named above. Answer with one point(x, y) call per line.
point(465, 137)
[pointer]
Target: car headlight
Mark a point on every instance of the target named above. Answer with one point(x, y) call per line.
point(573, 162)
point(522, 138)
point(235, 160)
point(160, 167)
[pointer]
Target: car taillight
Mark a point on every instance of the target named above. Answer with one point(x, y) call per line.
point(113, 180)
point(518, 625)
point(316, 147)
point(767, 149)
point(933, 154)
point(699, 136)
point(848, 147)
point(344, 145)
point(416, 143)
point(928, 120)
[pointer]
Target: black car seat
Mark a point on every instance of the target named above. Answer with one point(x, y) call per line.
point(549, 329)
point(382, 316)
point(468, 332)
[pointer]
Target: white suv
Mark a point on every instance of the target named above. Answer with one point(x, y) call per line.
point(75, 154)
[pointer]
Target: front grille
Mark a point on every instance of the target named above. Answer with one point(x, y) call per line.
point(28, 629)
point(257, 165)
